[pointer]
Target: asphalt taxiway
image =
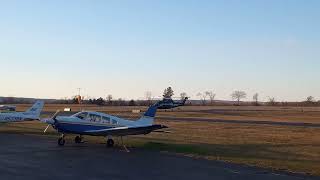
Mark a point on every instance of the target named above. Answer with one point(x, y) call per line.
point(38, 157)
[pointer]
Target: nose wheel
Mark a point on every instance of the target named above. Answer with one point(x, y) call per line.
point(78, 139)
point(61, 141)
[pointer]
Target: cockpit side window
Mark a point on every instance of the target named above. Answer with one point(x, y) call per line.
point(106, 119)
point(82, 115)
point(94, 118)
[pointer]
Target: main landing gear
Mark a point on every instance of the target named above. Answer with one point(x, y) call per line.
point(78, 139)
point(110, 143)
point(62, 141)
point(124, 146)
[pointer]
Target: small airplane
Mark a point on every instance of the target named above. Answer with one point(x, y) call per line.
point(100, 124)
point(31, 114)
point(7, 108)
point(168, 103)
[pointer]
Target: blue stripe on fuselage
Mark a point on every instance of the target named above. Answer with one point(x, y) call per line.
point(79, 128)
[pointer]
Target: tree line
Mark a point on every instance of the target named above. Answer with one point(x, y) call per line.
point(206, 98)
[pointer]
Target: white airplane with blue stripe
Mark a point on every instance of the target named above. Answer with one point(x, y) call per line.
point(100, 124)
point(31, 114)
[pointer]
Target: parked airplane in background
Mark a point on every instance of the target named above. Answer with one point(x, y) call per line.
point(31, 114)
point(168, 103)
point(7, 108)
point(100, 124)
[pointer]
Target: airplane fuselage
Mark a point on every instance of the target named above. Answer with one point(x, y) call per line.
point(14, 117)
point(168, 106)
point(98, 124)
point(32, 113)
point(75, 125)
point(84, 122)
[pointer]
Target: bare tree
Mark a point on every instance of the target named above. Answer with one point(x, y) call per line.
point(183, 95)
point(148, 96)
point(168, 93)
point(109, 99)
point(203, 97)
point(120, 102)
point(238, 95)
point(272, 101)
point(256, 99)
point(310, 99)
point(211, 96)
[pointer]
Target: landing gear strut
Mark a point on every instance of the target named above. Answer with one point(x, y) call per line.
point(124, 146)
point(78, 139)
point(110, 143)
point(61, 140)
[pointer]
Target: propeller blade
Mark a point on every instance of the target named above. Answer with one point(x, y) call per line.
point(55, 115)
point(46, 128)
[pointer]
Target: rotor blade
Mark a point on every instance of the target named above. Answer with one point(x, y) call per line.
point(46, 128)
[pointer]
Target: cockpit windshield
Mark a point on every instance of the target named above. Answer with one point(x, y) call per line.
point(82, 115)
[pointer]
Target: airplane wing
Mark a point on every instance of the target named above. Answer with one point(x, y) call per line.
point(124, 131)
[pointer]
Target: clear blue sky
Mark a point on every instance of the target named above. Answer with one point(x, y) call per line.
point(124, 48)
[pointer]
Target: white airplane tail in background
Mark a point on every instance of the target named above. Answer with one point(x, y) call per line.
point(36, 109)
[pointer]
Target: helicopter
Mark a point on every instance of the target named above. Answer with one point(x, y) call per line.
point(168, 103)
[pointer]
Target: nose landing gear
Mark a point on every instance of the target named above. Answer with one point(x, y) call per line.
point(110, 142)
point(61, 140)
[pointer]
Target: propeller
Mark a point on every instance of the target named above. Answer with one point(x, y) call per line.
point(55, 115)
point(45, 130)
point(52, 121)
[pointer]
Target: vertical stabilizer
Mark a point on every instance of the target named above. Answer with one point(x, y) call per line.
point(36, 109)
point(148, 117)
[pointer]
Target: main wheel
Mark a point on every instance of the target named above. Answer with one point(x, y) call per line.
point(110, 143)
point(61, 141)
point(77, 139)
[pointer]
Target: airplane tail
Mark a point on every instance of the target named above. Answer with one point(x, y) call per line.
point(148, 117)
point(36, 109)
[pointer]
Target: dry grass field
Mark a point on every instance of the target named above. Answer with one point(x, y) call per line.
point(287, 147)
